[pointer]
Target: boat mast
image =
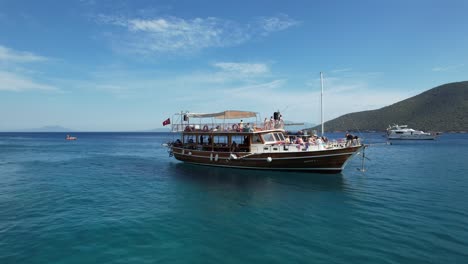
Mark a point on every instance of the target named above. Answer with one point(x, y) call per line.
point(321, 100)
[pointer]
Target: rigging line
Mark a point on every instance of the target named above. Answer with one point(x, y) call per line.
point(356, 127)
point(353, 124)
point(284, 109)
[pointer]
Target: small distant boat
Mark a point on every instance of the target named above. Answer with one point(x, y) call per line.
point(70, 138)
point(404, 132)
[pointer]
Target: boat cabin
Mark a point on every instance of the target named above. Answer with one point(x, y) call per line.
point(232, 141)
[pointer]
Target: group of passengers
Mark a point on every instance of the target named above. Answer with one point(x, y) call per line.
point(273, 123)
point(246, 128)
point(351, 140)
point(302, 140)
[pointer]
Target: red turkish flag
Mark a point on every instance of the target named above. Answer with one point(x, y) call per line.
point(167, 122)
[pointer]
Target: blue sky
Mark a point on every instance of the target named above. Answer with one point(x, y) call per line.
point(127, 65)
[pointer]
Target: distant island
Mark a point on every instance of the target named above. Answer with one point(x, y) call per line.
point(293, 126)
point(162, 129)
point(443, 108)
point(47, 129)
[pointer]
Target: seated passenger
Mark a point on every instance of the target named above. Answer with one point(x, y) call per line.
point(355, 140)
point(320, 143)
point(246, 128)
point(299, 141)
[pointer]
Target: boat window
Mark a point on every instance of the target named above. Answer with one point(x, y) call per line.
point(190, 139)
point(399, 132)
point(256, 139)
point(277, 138)
point(269, 138)
point(282, 137)
point(237, 139)
point(220, 140)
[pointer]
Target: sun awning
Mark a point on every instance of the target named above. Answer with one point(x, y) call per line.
point(229, 114)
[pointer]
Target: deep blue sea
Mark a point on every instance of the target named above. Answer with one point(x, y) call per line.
point(119, 198)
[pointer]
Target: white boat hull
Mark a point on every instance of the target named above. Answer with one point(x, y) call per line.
point(412, 137)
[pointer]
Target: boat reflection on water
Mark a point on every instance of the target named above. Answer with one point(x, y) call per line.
point(258, 179)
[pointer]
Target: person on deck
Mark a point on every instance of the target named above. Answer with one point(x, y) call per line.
point(234, 147)
point(247, 128)
point(349, 139)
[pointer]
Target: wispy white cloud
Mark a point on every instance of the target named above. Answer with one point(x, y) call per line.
point(115, 89)
point(341, 70)
point(243, 68)
point(348, 92)
point(226, 86)
point(273, 24)
point(13, 75)
point(261, 88)
point(173, 34)
point(120, 90)
point(225, 73)
point(266, 95)
point(14, 82)
point(9, 55)
point(261, 96)
point(448, 68)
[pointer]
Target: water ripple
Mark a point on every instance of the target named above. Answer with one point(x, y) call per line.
point(119, 198)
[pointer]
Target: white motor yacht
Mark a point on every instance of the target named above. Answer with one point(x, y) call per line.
point(403, 132)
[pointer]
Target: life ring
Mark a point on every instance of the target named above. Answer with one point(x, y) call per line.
point(235, 127)
point(205, 128)
point(188, 129)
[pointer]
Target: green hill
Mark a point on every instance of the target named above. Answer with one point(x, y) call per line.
point(443, 108)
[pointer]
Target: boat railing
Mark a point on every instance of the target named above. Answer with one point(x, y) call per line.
point(295, 147)
point(227, 127)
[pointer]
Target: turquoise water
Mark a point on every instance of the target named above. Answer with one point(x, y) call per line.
point(119, 198)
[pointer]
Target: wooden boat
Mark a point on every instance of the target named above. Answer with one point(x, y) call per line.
point(254, 145)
